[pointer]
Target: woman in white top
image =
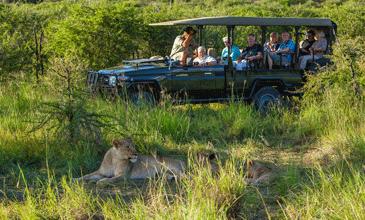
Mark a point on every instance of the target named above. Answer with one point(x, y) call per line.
point(317, 50)
point(202, 59)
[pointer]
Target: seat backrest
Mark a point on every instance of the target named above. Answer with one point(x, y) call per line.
point(211, 52)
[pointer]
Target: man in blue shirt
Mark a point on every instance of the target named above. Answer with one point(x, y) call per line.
point(283, 53)
point(235, 51)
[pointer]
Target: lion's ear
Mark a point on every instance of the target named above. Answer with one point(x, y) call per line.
point(212, 156)
point(115, 143)
point(250, 162)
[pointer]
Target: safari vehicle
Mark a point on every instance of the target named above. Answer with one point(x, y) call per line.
point(148, 79)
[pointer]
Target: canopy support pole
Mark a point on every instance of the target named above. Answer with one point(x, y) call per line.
point(263, 35)
point(200, 33)
point(230, 30)
point(229, 69)
point(297, 33)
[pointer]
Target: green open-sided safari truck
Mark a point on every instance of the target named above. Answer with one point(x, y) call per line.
point(148, 79)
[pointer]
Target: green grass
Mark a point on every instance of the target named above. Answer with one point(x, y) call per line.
point(307, 146)
point(338, 194)
point(200, 195)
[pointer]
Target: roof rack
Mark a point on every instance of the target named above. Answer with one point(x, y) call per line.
point(146, 60)
point(139, 62)
point(250, 21)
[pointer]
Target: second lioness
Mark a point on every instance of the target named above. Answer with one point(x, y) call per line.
point(257, 172)
point(122, 162)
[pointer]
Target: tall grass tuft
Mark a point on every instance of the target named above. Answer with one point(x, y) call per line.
point(198, 195)
point(337, 194)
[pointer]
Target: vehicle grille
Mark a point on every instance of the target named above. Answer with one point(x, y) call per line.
point(92, 79)
point(105, 80)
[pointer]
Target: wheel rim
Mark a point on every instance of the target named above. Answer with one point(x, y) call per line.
point(267, 101)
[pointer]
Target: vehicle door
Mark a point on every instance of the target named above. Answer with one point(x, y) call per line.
point(236, 82)
point(196, 82)
point(218, 75)
point(240, 82)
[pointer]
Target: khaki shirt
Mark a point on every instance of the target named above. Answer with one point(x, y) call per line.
point(177, 48)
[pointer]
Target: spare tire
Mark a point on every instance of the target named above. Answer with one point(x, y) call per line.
point(267, 98)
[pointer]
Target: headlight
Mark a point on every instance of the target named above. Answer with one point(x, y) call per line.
point(112, 80)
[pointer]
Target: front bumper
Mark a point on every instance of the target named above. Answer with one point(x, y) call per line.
point(99, 83)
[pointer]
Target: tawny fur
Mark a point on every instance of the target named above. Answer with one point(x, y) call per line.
point(116, 162)
point(257, 172)
point(150, 166)
point(122, 162)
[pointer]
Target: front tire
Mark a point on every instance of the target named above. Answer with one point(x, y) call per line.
point(267, 98)
point(142, 97)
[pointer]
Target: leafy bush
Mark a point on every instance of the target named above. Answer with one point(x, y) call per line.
point(68, 116)
point(103, 33)
point(100, 34)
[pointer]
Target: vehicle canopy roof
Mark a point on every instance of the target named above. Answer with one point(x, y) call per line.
point(250, 21)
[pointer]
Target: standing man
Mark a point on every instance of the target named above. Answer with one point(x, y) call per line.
point(235, 51)
point(184, 46)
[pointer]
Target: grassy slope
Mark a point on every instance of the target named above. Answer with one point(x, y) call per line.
point(297, 141)
point(328, 130)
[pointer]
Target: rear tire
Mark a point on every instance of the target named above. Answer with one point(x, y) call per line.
point(267, 98)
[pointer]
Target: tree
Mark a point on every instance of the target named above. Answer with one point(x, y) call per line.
point(68, 116)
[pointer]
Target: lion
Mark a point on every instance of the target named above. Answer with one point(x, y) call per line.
point(123, 162)
point(257, 172)
point(208, 159)
point(116, 161)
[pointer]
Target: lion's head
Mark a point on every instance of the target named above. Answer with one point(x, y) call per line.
point(125, 149)
point(255, 168)
point(248, 167)
point(205, 156)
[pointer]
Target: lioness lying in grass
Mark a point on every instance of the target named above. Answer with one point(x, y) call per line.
point(257, 172)
point(122, 162)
